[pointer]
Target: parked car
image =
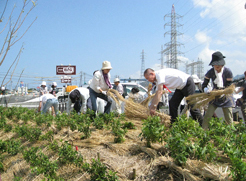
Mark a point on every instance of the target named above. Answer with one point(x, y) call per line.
point(128, 87)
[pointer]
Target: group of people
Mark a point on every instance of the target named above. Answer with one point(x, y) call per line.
point(183, 84)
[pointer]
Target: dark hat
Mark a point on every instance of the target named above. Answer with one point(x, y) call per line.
point(135, 90)
point(217, 59)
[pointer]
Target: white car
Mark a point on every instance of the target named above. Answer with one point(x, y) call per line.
point(128, 87)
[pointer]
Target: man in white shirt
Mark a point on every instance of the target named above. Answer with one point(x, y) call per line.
point(172, 79)
point(48, 100)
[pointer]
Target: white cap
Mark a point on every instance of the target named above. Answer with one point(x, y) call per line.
point(3, 88)
point(43, 83)
point(106, 65)
point(54, 84)
point(196, 79)
point(116, 80)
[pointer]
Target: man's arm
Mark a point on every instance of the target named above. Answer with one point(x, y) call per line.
point(156, 99)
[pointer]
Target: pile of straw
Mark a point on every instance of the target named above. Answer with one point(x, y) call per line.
point(114, 94)
point(194, 169)
point(137, 110)
point(202, 99)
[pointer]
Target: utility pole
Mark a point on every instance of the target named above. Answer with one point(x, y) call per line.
point(80, 81)
point(171, 47)
point(84, 78)
point(142, 64)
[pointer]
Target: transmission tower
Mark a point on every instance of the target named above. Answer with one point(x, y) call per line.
point(195, 68)
point(142, 65)
point(171, 51)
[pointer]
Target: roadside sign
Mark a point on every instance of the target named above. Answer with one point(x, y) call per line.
point(66, 79)
point(65, 70)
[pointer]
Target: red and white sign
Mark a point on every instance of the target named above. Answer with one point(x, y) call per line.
point(65, 70)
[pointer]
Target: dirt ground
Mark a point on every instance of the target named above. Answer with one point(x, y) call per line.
point(123, 158)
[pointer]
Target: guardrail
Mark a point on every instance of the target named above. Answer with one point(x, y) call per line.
point(26, 101)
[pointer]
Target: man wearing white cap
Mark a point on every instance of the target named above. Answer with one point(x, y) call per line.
point(42, 91)
point(99, 86)
point(118, 86)
point(53, 89)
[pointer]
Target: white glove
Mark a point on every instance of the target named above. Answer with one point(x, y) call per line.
point(104, 92)
point(206, 90)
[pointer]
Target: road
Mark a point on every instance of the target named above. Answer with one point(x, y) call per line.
point(19, 100)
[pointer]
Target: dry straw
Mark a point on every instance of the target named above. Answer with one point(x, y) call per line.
point(137, 110)
point(196, 167)
point(202, 99)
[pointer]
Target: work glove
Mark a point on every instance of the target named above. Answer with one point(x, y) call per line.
point(104, 92)
point(206, 90)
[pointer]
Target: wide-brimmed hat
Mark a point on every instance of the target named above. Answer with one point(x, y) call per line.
point(106, 65)
point(196, 79)
point(217, 59)
point(116, 80)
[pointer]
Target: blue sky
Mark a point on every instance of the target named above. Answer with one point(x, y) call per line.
point(86, 33)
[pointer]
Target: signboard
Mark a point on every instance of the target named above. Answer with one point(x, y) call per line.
point(65, 70)
point(66, 79)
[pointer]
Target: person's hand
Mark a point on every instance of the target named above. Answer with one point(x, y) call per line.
point(152, 112)
point(206, 90)
point(104, 92)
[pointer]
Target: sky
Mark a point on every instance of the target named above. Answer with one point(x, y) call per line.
point(86, 33)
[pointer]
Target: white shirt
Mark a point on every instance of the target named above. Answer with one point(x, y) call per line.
point(98, 82)
point(120, 89)
point(84, 95)
point(45, 97)
point(172, 78)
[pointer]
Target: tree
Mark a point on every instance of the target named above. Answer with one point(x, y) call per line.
point(10, 28)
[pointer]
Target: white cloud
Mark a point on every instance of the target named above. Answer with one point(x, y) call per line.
point(206, 55)
point(228, 15)
point(202, 37)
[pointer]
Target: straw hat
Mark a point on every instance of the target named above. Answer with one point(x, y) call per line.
point(116, 80)
point(217, 59)
point(196, 79)
point(106, 65)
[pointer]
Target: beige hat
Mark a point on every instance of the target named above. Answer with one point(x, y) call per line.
point(116, 80)
point(106, 65)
